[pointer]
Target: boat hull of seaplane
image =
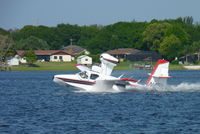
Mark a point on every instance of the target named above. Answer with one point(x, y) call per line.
point(73, 81)
point(88, 85)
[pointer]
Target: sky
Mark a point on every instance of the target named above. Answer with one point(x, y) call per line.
point(18, 13)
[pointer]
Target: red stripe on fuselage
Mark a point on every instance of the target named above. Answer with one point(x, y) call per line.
point(77, 81)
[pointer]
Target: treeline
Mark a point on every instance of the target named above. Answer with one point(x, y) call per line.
point(171, 37)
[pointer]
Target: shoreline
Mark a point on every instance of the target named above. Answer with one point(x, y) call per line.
point(75, 69)
point(192, 67)
point(63, 66)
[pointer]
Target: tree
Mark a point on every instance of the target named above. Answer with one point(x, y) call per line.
point(5, 45)
point(87, 33)
point(188, 20)
point(189, 50)
point(33, 43)
point(3, 32)
point(179, 32)
point(98, 39)
point(170, 47)
point(196, 48)
point(153, 35)
point(30, 56)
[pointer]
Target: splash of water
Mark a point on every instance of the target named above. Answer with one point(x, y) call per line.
point(182, 87)
point(99, 91)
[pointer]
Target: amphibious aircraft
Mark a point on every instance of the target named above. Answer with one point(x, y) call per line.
point(100, 78)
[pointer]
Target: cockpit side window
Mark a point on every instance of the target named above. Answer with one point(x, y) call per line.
point(94, 76)
point(83, 75)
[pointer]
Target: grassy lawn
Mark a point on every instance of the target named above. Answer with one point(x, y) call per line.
point(47, 66)
point(64, 66)
point(176, 67)
point(129, 66)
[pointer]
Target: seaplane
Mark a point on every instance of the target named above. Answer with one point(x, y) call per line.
point(99, 78)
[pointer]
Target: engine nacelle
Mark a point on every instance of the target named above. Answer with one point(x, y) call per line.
point(108, 62)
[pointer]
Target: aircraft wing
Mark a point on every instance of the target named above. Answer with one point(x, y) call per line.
point(82, 67)
point(116, 83)
point(122, 81)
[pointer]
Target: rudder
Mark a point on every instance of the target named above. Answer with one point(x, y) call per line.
point(159, 74)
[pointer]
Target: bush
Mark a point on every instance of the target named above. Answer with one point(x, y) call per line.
point(175, 62)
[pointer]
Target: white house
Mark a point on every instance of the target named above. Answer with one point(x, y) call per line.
point(13, 62)
point(84, 59)
point(49, 55)
point(61, 56)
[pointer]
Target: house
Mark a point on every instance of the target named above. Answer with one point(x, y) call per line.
point(190, 58)
point(49, 55)
point(54, 55)
point(144, 56)
point(84, 59)
point(13, 62)
point(122, 52)
point(20, 56)
point(76, 49)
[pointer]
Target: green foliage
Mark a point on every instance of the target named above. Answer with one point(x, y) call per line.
point(95, 58)
point(87, 33)
point(170, 47)
point(97, 39)
point(153, 35)
point(196, 46)
point(175, 62)
point(32, 43)
point(188, 20)
point(30, 56)
point(5, 45)
point(179, 32)
point(82, 53)
point(3, 32)
point(119, 35)
point(11, 52)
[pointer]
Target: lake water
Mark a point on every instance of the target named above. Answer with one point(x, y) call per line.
point(30, 103)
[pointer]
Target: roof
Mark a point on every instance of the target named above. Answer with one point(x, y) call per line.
point(46, 52)
point(83, 56)
point(76, 49)
point(20, 52)
point(122, 51)
point(145, 53)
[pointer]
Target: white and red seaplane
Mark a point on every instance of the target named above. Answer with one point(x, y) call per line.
point(98, 78)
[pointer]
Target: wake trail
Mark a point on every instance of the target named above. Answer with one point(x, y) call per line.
point(182, 87)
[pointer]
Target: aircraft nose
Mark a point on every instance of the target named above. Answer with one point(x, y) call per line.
point(54, 78)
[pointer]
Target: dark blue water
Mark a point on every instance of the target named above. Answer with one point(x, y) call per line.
point(30, 103)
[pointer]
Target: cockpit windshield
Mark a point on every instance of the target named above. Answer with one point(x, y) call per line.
point(83, 75)
point(94, 76)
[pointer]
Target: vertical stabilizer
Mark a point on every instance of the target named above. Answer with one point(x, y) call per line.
point(159, 74)
point(108, 62)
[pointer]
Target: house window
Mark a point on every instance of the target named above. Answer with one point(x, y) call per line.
point(86, 59)
point(55, 57)
point(60, 58)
